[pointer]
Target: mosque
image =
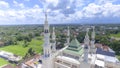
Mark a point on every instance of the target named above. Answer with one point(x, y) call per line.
point(75, 55)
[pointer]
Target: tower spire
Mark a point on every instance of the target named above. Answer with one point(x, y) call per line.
point(46, 25)
point(68, 35)
point(93, 33)
point(86, 46)
point(53, 40)
point(47, 46)
point(86, 40)
point(46, 16)
point(53, 34)
point(92, 47)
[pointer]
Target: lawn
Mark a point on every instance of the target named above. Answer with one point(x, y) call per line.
point(3, 62)
point(116, 35)
point(21, 51)
point(118, 56)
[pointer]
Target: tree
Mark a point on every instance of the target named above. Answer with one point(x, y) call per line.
point(25, 43)
point(31, 51)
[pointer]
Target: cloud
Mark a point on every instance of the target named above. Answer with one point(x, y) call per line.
point(23, 16)
point(111, 10)
point(104, 1)
point(36, 6)
point(4, 5)
point(27, 0)
point(105, 10)
point(18, 5)
point(92, 10)
point(62, 5)
point(59, 11)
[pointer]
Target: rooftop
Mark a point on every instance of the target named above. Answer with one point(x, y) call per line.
point(107, 58)
point(74, 48)
point(101, 51)
point(68, 59)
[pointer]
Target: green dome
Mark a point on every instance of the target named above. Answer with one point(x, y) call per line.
point(74, 48)
point(74, 43)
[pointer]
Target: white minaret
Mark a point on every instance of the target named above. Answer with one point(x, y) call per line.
point(93, 49)
point(68, 36)
point(85, 63)
point(47, 47)
point(53, 40)
point(86, 46)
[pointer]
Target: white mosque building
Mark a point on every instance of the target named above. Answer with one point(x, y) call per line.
point(74, 55)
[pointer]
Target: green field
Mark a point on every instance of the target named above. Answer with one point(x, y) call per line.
point(3, 62)
point(18, 49)
point(116, 35)
point(21, 51)
point(118, 56)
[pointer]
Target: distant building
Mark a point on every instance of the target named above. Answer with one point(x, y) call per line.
point(9, 56)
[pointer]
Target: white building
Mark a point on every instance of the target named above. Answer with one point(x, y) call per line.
point(9, 56)
point(73, 55)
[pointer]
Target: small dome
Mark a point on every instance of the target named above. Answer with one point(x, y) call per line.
point(74, 43)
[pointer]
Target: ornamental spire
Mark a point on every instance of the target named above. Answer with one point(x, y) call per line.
point(46, 21)
point(46, 25)
point(53, 34)
point(93, 33)
point(68, 35)
point(45, 16)
point(86, 46)
point(86, 40)
point(53, 40)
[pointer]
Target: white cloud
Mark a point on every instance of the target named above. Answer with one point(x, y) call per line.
point(111, 10)
point(26, 0)
point(36, 6)
point(79, 3)
point(54, 2)
point(31, 15)
point(18, 5)
point(56, 14)
point(91, 10)
point(105, 10)
point(104, 1)
point(4, 5)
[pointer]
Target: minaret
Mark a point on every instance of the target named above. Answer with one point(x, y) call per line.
point(93, 49)
point(86, 46)
point(85, 63)
point(53, 40)
point(47, 47)
point(68, 36)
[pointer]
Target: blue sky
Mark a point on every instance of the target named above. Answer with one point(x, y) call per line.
point(59, 11)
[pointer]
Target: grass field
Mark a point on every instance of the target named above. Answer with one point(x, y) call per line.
point(18, 49)
point(118, 56)
point(21, 51)
point(116, 35)
point(3, 62)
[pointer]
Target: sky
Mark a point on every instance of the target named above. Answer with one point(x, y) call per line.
point(59, 11)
